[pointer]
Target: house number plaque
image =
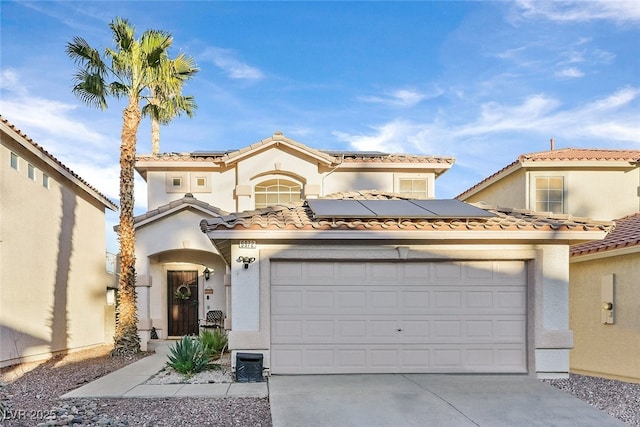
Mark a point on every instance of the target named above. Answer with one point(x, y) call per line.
point(247, 244)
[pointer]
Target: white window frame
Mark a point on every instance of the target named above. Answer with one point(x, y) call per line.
point(414, 177)
point(46, 180)
point(533, 191)
point(14, 161)
point(31, 172)
point(279, 181)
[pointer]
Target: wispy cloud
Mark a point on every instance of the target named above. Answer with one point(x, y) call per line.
point(608, 120)
point(582, 11)
point(227, 61)
point(570, 72)
point(402, 97)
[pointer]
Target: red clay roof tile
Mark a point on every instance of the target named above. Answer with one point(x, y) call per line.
point(625, 234)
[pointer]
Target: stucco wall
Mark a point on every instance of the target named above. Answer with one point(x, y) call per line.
point(610, 351)
point(53, 268)
point(508, 192)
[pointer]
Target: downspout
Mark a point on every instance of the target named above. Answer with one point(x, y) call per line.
point(330, 172)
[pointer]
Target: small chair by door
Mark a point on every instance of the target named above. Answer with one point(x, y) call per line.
point(214, 320)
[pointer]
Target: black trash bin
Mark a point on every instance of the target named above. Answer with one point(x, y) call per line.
point(249, 367)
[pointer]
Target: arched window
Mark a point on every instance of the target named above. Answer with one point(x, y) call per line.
point(276, 191)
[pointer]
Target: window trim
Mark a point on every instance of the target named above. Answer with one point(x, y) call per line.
point(278, 180)
point(31, 172)
point(533, 194)
point(14, 161)
point(427, 178)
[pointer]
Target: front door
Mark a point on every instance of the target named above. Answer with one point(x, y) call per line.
point(183, 302)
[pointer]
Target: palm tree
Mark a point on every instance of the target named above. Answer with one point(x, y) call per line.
point(133, 70)
point(166, 101)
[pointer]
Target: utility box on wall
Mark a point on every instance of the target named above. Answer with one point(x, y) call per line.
point(606, 293)
point(249, 367)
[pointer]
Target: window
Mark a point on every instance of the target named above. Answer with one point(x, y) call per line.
point(31, 172)
point(276, 191)
point(45, 180)
point(550, 194)
point(14, 161)
point(413, 188)
point(176, 182)
point(201, 182)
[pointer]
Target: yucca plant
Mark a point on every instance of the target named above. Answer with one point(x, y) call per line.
point(189, 356)
point(214, 341)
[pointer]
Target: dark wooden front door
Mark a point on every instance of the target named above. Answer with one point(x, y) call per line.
point(183, 302)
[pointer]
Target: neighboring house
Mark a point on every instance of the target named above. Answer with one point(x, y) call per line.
point(172, 254)
point(607, 338)
point(602, 184)
point(53, 278)
point(368, 282)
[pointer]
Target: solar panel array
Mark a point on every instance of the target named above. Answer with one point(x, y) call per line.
point(419, 209)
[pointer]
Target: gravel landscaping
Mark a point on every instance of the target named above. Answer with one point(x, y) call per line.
point(29, 396)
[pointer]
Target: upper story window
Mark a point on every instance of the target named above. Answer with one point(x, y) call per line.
point(14, 161)
point(550, 194)
point(415, 188)
point(176, 182)
point(31, 172)
point(45, 180)
point(276, 191)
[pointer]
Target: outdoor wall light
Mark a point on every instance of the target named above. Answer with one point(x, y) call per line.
point(245, 260)
point(207, 273)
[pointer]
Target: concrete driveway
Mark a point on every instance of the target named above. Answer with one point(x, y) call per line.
point(426, 400)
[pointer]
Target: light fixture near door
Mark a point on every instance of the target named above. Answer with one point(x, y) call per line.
point(206, 273)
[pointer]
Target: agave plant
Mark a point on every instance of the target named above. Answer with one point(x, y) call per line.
point(189, 356)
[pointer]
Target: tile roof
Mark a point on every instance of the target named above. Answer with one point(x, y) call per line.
point(187, 201)
point(625, 234)
point(564, 155)
point(301, 217)
point(359, 157)
point(104, 199)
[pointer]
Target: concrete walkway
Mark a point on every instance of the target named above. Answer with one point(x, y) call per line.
point(128, 382)
point(424, 400)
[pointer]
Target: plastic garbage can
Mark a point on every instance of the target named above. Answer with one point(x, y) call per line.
point(249, 367)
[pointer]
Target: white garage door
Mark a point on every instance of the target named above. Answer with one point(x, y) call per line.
point(387, 317)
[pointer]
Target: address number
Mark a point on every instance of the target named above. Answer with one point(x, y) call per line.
point(247, 244)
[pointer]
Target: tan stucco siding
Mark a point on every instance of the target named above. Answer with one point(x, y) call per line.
point(508, 192)
point(606, 350)
point(52, 252)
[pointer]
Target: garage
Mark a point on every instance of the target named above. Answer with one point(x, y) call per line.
point(398, 317)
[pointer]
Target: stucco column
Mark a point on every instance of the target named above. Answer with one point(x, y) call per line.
point(245, 290)
point(554, 340)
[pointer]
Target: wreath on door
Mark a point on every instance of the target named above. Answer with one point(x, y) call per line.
point(183, 292)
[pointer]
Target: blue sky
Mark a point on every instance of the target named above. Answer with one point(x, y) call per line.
point(480, 81)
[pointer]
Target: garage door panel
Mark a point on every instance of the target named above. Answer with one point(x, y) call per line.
point(398, 317)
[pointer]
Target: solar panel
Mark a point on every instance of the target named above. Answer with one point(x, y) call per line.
point(431, 208)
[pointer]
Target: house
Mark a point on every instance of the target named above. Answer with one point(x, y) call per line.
point(320, 274)
point(602, 184)
point(53, 279)
point(369, 282)
point(180, 276)
point(607, 337)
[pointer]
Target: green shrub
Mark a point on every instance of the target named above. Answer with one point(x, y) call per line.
point(189, 356)
point(214, 341)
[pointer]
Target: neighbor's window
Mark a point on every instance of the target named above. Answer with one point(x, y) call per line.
point(550, 194)
point(176, 182)
point(201, 182)
point(276, 191)
point(413, 188)
point(45, 180)
point(14, 161)
point(31, 172)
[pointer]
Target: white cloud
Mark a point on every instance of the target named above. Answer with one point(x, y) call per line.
point(402, 97)
point(226, 60)
point(582, 11)
point(607, 120)
point(570, 72)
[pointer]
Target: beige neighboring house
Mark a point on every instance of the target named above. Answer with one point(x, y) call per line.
point(602, 184)
point(318, 273)
point(607, 338)
point(172, 254)
point(53, 279)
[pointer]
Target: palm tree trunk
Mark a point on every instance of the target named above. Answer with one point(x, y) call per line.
point(155, 136)
point(126, 337)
